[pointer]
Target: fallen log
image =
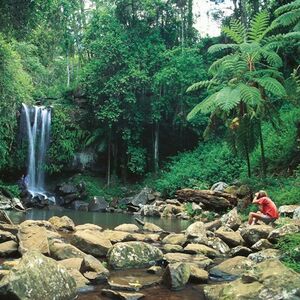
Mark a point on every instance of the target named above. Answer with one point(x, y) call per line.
point(208, 199)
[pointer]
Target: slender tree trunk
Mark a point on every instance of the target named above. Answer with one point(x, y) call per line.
point(190, 22)
point(68, 70)
point(109, 158)
point(248, 160)
point(262, 151)
point(156, 148)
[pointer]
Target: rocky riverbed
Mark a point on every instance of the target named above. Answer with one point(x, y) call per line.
point(223, 259)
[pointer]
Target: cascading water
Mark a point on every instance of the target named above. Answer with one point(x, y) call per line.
point(37, 121)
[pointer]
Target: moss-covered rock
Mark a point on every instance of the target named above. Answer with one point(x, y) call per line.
point(133, 255)
point(176, 275)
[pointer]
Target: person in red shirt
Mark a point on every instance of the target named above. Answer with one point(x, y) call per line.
point(267, 209)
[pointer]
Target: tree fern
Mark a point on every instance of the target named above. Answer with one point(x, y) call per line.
point(220, 47)
point(249, 95)
point(273, 59)
point(287, 7)
point(236, 31)
point(215, 66)
point(258, 26)
point(201, 84)
point(228, 98)
point(290, 18)
point(271, 85)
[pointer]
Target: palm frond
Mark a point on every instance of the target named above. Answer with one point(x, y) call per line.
point(272, 85)
point(220, 47)
point(236, 31)
point(258, 26)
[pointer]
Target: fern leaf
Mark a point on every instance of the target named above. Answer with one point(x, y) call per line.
point(249, 95)
point(220, 47)
point(228, 98)
point(215, 66)
point(236, 31)
point(258, 26)
point(288, 7)
point(206, 106)
point(271, 85)
point(287, 19)
point(198, 85)
point(273, 59)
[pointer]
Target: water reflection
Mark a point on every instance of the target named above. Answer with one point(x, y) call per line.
point(105, 220)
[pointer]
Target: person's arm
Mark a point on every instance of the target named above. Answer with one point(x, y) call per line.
point(255, 200)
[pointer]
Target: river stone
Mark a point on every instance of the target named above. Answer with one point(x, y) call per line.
point(62, 224)
point(231, 219)
point(171, 210)
point(40, 223)
point(283, 231)
point(176, 275)
point(98, 204)
point(142, 197)
point(94, 243)
point(38, 277)
point(117, 236)
point(121, 295)
point(213, 225)
point(150, 238)
point(197, 230)
point(198, 275)
point(8, 248)
point(133, 255)
point(240, 251)
point(33, 237)
point(81, 281)
point(231, 268)
point(175, 239)
point(71, 263)
point(271, 280)
point(230, 237)
point(60, 250)
point(127, 228)
point(253, 233)
point(288, 210)
point(150, 211)
point(172, 248)
point(217, 244)
point(264, 254)
point(88, 226)
point(201, 249)
point(151, 227)
point(7, 236)
point(154, 270)
point(198, 260)
point(92, 265)
point(261, 245)
point(10, 228)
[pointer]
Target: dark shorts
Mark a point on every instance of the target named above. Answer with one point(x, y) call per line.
point(267, 219)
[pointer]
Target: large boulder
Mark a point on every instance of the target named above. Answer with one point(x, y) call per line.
point(199, 260)
point(219, 186)
point(37, 277)
point(197, 231)
point(142, 197)
point(198, 275)
point(264, 255)
point(176, 275)
point(151, 227)
point(230, 237)
point(60, 250)
point(93, 269)
point(62, 224)
point(288, 210)
point(261, 245)
point(150, 211)
point(253, 233)
point(88, 226)
point(175, 239)
point(98, 204)
point(127, 228)
point(201, 249)
point(94, 243)
point(283, 231)
point(218, 244)
point(133, 255)
point(8, 248)
point(231, 268)
point(231, 219)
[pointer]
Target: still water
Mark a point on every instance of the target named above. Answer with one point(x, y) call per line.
point(104, 219)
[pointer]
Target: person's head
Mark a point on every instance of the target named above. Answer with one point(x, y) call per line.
point(261, 194)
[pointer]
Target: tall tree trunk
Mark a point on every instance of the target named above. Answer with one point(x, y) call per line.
point(109, 158)
point(248, 160)
point(68, 69)
point(190, 22)
point(262, 151)
point(156, 148)
point(243, 12)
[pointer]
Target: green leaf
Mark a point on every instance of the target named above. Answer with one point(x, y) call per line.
point(236, 31)
point(249, 95)
point(228, 98)
point(272, 85)
point(220, 47)
point(198, 85)
point(258, 26)
point(272, 58)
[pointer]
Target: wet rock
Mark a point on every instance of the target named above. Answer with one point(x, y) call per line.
point(33, 237)
point(60, 250)
point(127, 228)
point(197, 230)
point(7, 236)
point(98, 204)
point(253, 233)
point(154, 270)
point(67, 188)
point(231, 219)
point(201, 249)
point(80, 205)
point(198, 260)
point(151, 227)
point(288, 210)
point(94, 243)
point(217, 244)
point(133, 255)
point(9, 248)
point(262, 255)
point(240, 251)
point(81, 281)
point(172, 248)
point(231, 268)
point(121, 295)
point(230, 237)
point(198, 275)
point(62, 224)
point(142, 197)
point(213, 225)
point(176, 275)
point(91, 265)
point(54, 281)
point(150, 211)
point(175, 239)
point(283, 231)
point(261, 245)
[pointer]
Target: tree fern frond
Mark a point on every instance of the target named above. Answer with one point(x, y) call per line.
point(228, 98)
point(236, 31)
point(287, 19)
point(266, 72)
point(287, 7)
point(249, 95)
point(258, 26)
point(272, 58)
point(220, 47)
point(215, 66)
point(201, 84)
point(206, 106)
point(271, 85)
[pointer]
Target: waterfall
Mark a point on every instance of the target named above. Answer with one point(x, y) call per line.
point(38, 122)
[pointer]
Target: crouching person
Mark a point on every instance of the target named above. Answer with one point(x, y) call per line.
point(267, 213)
